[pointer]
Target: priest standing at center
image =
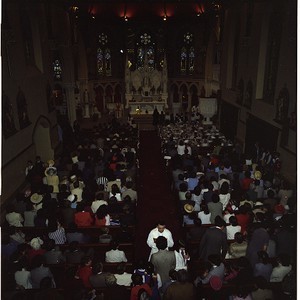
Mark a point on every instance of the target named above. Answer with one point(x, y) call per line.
point(159, 230)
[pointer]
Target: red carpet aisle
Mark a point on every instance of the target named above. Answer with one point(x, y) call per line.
point(155, 200)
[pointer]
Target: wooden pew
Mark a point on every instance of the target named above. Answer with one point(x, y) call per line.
point(91, 231)
point(101, 248)
point(58, 270)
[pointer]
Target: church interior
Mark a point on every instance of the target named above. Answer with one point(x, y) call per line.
point(97, 85)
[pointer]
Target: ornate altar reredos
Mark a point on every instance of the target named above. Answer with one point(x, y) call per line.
point(146, 88)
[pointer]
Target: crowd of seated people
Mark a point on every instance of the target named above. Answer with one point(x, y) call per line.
point(235, 209)
point(92, 184)
point(239, 221)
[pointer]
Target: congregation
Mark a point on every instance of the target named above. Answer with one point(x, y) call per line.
point(71, 233)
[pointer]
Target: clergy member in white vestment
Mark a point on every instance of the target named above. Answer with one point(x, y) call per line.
point(159, 230)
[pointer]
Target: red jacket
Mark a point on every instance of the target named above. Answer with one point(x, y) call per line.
point(83, 219)
point(135, 291)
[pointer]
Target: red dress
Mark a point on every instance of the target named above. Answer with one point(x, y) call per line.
point(84, 274)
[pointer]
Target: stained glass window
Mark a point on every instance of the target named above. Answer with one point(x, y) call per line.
point(100, 61)
point(140, 57)
point(191, 59)
point(103, 56)
point(107, 62)
point(150, 54)
point(183, 59)
point(145, 51)
point(187, 54)
point(57, 69)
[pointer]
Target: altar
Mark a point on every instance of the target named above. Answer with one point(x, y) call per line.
point(146, 88)
point(143, 107)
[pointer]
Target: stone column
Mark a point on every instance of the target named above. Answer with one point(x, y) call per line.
point(71, 102)
point(189, 108)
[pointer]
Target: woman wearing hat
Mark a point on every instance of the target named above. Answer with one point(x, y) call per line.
point(52, 179)
point(37, 201)
point(188, 217)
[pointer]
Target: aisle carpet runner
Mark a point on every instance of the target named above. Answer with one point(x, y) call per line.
point(155, 199)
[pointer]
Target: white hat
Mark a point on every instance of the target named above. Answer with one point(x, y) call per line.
point(71, 197)
point(36, 198)
point(50, 171)
point(188, 208)
point(257, 175)
point(73, 177)
point(36, 243)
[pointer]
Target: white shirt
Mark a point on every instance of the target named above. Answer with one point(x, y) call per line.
point(231, 231)
point(115, 256)
point(124, 279)
point(154, 234)
point(198, 200)
point(227, 216)
point(180, 149)
point(77, 192)
point(96, 204)
point(205, 219)
point(23, 278)
point(180, 260)
point(216, 185)
point(224, 199)
point(279, 273)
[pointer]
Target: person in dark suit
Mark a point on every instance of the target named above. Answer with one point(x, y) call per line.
point(74, 255)
point(97, 279)
point(164, 260)
point(53, 254)
point(214, 240)
point(39, 272)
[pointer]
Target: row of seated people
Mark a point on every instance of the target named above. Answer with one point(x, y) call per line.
point(35, 209)
point(89, 271)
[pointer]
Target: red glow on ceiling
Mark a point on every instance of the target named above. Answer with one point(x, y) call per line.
point(107, 10)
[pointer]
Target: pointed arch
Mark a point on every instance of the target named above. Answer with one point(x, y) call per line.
point(194, 95)
point(109, 94)
point(118, 94)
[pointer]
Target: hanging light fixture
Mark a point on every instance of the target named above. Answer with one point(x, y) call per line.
point(125, 11)
point(165, 12)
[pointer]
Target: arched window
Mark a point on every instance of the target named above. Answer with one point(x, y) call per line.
point(187, 54)
point(100, 67)
point(103, 56)
point(183, 60)
point(107, 62)
point(145, 51)
point(191, 59)
point(57, 69)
